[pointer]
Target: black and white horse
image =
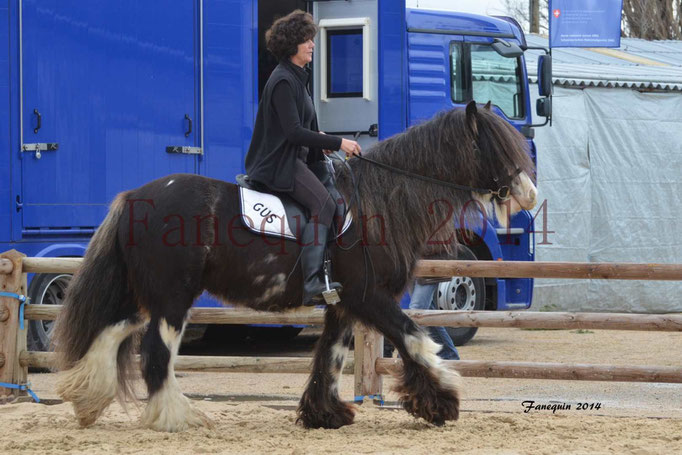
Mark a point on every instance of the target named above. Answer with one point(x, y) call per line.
point(163, 244)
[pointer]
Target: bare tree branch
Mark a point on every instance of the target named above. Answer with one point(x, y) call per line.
point(652, 19)
point(520, 10)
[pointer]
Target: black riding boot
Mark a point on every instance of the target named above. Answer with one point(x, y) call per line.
point(312, 262)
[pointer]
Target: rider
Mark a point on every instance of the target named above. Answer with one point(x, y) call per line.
point(286, 139)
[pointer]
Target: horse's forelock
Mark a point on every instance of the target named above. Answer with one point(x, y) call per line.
point(502, 146)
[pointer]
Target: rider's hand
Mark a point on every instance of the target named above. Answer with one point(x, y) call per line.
point(350, 147)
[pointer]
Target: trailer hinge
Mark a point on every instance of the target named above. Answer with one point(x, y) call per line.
point(19, 204)
point(185, 150)
point(40, 147)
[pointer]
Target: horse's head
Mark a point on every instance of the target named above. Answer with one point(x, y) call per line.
point(503, 164)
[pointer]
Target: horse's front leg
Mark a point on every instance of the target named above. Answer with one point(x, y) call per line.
point(426, 388)
point(320, 405)
point(168, 409)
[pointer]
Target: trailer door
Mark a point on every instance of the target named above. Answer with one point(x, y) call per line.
point(345, 69)
point(109, 103)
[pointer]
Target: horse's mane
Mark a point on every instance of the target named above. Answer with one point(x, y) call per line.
point(403, 213)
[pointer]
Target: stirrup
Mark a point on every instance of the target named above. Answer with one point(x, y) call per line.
point(330, 296)
point(325, 297)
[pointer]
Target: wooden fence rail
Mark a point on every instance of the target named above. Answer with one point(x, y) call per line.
point(368, 363)
point(536, 370)
point(469, 368)
point(499, 269)
point(227, 364)
point(526, 319)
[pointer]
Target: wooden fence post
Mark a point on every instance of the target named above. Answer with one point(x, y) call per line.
point(12, 339)
point(369, 346)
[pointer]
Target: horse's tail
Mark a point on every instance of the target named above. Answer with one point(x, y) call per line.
point(97, 297)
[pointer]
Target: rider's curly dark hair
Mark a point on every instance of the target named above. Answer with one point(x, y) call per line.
point(286, 33)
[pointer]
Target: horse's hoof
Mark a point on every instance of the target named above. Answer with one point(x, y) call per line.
point(337, 415)
point(86, 416)
point(431, 395)
point(174, 414)
point(434, 412)
point(90, 390)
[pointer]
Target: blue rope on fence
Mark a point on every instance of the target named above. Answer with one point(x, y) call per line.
point(26, 387)
point(8, 385)
point(21, 298)
point(379, 398)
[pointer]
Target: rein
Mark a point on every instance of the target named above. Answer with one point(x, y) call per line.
point(502, 193)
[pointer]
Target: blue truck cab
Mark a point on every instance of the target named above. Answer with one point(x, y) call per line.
point(98, 97)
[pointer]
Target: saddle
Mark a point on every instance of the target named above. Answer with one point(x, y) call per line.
point(278, 214)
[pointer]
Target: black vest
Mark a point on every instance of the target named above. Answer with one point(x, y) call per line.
point(271, 158)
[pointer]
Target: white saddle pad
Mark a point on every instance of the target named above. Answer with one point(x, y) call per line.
point(263, 213)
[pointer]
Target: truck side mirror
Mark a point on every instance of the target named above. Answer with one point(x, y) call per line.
point(506, 49)
point(543, 107)
point(545, 75)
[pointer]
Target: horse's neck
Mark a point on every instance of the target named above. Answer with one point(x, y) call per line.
point(409, 237)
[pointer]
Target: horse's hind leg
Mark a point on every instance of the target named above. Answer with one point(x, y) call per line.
point(93, 382)
point(168, 409)
point(320, 405)
point(426, 388)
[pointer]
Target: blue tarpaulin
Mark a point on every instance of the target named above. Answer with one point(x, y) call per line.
point(585, 23)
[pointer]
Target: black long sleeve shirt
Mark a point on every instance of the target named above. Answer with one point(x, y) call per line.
point(297, 132)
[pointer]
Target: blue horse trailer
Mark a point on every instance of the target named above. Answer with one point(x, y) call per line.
point(101, 96)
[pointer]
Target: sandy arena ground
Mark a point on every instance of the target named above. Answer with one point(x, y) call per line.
point(254, 413)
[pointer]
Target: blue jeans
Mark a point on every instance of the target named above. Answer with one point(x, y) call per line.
point(422, 299)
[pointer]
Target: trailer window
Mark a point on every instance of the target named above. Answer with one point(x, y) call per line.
point(481, 74)
point(344, 56)
point(344, 63)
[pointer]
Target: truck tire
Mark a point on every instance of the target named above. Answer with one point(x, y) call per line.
point(45, 289)
point(461, 294)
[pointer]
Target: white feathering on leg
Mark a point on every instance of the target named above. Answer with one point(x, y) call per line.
point(339, 352)
point(92, 384)
point(425, 351)
point(168, 409)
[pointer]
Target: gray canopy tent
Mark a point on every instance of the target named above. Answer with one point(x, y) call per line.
point(610, 168)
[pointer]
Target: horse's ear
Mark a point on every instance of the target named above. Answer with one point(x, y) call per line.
point(487, 105)
point(471, 111)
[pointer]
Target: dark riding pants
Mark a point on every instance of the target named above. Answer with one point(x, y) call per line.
point(309, 192)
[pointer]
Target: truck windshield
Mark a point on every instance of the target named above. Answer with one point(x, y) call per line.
point(481, 74)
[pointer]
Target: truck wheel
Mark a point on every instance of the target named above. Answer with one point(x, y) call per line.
point(461, 293)
point(45, 289)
